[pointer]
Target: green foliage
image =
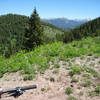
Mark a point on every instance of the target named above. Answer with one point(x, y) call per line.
point(91, 28)
point(28, 77)
point(52, 34)
point(34, 33)
point(92, 71)
point(74, 80)
point(37, 61)
point(72, 98)
point(56, 71)
point(75, 70)
point(14, 27)
point(96, 91)
point(87, 76)
point(11, 33)
point(57, 65)
point(87, 83)
point(68, 91)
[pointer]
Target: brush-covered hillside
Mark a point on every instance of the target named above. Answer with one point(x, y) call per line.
point(60, 71)
point(43, 55)
point(12, 30)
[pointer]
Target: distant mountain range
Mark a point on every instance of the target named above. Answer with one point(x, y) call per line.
point(65, 23)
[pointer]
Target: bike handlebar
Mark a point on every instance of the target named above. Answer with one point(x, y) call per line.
point(18, 90)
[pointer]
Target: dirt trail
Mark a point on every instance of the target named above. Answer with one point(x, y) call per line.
point(51, 85)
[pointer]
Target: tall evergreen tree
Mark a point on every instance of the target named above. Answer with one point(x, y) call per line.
point(34, 33)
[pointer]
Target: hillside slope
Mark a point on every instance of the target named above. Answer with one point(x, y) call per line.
point(14, 25)
point(12, 30)
point(91, 28)
point(38, 60)
point(62, 71)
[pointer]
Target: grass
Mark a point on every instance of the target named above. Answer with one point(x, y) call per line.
point(87, 76)
point(76, 69)
point(57, 66)
point(28, 77)
point(74, 80)
point(87, 83)
point(68, 91)
point(96, 91)
point(38, 60)
point(72, 98)
point(56, 71)
point(91, 71)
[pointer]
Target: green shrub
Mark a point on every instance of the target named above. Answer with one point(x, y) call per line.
point(97, 90)
point(28, 69)
point(92, 71)
point(57, 66)
point(75, 70)
point(74, 80)
point(68, 91)
point(87, 76)
point(56, 71)
point(28, 77)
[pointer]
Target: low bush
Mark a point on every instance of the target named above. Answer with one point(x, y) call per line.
point(75, 70)
point(74, 80)
point(68, 91)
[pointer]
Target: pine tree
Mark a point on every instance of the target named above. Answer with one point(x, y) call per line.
point(34, 33)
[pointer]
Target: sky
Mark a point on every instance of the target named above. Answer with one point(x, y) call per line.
point(71, 9)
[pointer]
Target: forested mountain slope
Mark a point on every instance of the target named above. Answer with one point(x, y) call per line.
point(12, 30)
point(14, 26)
point(91, 28)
